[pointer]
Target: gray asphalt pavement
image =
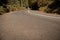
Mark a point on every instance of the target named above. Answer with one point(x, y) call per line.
point(22, 25)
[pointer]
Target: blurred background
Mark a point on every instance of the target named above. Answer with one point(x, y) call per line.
point(49, 6)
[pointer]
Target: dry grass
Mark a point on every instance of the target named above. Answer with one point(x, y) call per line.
point(11, 8)
point(15, 8)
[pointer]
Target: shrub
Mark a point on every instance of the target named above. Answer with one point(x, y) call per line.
point(14, 7)
point(2, 10)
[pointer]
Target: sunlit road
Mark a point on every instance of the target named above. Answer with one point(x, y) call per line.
point(22, 25)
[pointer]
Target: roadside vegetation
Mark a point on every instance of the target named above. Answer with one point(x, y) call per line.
point(12, 5)
point(49, 6)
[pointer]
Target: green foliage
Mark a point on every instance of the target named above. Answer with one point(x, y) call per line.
point(50, 6)
point(2, 10)
point(53, 7)
point(12, 5)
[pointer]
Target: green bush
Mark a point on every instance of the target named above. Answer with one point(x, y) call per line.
point(14, 7)
point(2, 10)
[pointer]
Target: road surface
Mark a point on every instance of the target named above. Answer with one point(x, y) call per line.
point(25, 25)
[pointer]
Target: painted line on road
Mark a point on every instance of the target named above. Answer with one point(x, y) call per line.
point(42, 15)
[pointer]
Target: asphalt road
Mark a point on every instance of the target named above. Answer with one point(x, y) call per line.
point(25, 25)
